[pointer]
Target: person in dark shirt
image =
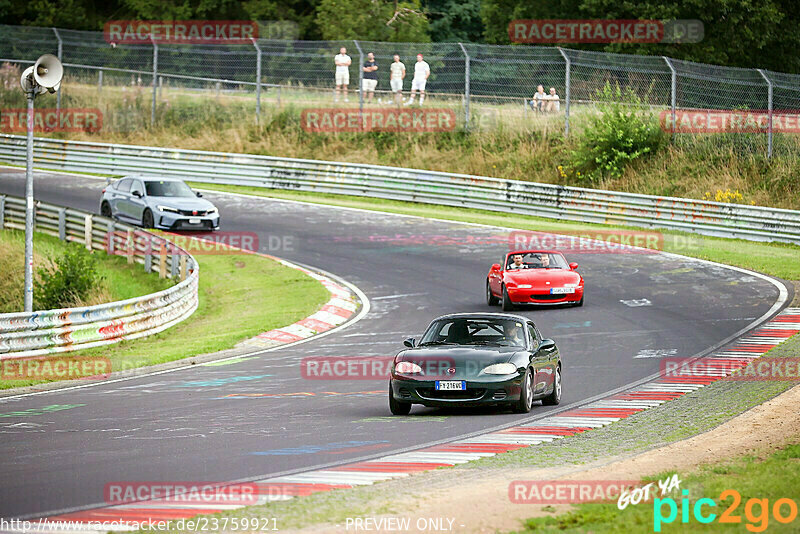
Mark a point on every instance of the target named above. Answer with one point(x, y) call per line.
point(370, 78)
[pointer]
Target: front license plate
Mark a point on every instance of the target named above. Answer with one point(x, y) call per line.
point(194, 221)
point(451, 385)
point(562, 290)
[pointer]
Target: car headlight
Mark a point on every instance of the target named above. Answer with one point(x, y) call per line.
point(167, 209)
point(524, 286)
point(408, 368)
point(212, 211)
point(500, 369)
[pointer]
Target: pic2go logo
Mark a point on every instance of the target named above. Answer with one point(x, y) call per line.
point(758, 521)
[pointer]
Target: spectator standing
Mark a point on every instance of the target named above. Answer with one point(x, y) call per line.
point(538, 99)
point(553, 103)
point(397, 75)
point(342, 62)
point(421, 72)
point(369, 80)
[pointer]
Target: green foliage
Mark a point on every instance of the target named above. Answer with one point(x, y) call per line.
point(620, 133)
point(372, 20)
point(68, 282)
point(455, 20)
point(738, 33)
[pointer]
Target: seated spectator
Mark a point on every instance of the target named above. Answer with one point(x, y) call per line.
point(538, 99)
point(552, 102)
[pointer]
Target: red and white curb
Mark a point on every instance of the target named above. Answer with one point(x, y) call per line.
point(338, 310)
point(594, 415)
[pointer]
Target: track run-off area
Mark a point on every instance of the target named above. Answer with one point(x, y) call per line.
point(258, 417)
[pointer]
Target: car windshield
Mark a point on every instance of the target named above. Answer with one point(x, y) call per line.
point(536, 260)
point(475, 331)
point(166, 188)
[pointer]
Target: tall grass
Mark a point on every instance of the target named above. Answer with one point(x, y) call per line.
point(504, 142)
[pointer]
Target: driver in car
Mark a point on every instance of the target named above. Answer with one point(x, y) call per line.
point(515, 335)
point(517, 262)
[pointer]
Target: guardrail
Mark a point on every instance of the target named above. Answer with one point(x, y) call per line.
point(543, 200)
point(44, 332)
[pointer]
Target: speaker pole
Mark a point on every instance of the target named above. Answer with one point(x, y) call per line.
point(29, 207)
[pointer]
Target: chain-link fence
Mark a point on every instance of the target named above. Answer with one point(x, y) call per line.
point(474, 79)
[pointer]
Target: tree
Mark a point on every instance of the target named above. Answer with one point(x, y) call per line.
point(454, 20)
point(372, 20)
point(738, 33)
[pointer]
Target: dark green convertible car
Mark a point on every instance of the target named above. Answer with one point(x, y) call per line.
point(476, 359)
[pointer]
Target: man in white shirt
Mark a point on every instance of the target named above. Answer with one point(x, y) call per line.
point(552, 103)
point(398, 74)
point(421, 72)
point(538, 99)
point(342, 62)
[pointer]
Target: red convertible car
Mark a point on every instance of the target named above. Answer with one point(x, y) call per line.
point(534, 277)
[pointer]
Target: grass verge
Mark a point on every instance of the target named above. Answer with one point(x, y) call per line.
point(240, 297)
point(776, 259)
point(768, 479)
point(120, 281)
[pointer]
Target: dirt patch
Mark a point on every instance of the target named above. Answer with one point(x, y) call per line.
point(481, 504)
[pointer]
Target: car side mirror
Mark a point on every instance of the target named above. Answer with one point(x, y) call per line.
point(547, 345)
point(573, 265)
point(199, 194)
point(137, 194)
point(409, 342)
point(496, 267)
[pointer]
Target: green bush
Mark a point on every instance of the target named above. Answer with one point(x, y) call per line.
point(68, 282)
point(621, 132)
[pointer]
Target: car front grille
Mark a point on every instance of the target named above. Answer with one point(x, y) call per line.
point(193, 213)
point(433, 394)
point(548, 297)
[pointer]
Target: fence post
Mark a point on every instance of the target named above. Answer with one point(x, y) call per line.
point(279, 96)
point(173, 266)
point(155, 85)
point(258, 78)
point(58, 93)
point(183, 267)
point(360, 84)
point(466, 87)
point(130, 247)
point(2, 211)
point(769, 108)
point(673, 90)
point(99, 80)
point(566, 90)
point(62, 224)
point(148, 254)
point(162, 259)
point(87, 232)
point(110, 238)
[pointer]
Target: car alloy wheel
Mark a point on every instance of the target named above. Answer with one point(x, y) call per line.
point(555, 397)
point(397, 407)
point(147, 219)
point(491, 300)
point(525, 402)
point(507, 304)
point(105, 209)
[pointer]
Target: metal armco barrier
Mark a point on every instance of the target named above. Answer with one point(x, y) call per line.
point(44, 332)
point(511, 196)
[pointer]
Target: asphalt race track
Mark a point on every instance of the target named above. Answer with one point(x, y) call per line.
point(189, 425)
